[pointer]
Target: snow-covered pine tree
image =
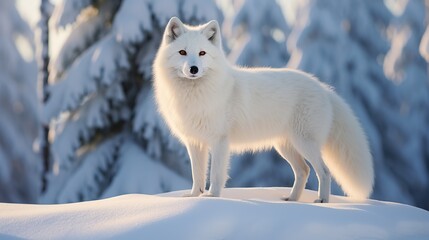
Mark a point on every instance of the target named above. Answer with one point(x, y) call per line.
point(406, 67)
point(108, 138)
point(260, 32)
point(343, 43)
point(20, 167)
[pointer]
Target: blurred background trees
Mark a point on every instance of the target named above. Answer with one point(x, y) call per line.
point(108, 139)
point(20, 166)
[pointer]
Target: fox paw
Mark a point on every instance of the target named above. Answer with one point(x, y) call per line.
point(319, 200)
point(194, 193)
point(207, 194)
point(289, 199)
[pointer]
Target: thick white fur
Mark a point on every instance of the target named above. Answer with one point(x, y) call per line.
point(224, 109)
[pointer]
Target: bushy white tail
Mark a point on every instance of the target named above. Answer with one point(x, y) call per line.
point(346, 152)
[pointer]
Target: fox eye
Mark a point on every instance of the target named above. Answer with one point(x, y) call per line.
point(182, 52)
point(202, 53)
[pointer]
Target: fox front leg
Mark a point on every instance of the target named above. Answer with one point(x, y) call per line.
point(198, 155)
point(219, 168)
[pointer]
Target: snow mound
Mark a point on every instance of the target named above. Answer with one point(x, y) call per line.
point(250, 213)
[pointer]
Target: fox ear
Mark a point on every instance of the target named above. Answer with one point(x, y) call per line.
point(173, 30)
point(212, 31)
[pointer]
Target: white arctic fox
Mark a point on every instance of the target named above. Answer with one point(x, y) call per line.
point(212, 106)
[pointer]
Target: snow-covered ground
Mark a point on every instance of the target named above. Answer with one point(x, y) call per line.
point(251, 213)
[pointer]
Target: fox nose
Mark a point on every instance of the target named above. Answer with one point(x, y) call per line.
point(194, 69)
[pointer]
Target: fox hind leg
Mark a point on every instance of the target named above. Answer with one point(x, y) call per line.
point(324, 178)
point(299, 168)
point(311, 151)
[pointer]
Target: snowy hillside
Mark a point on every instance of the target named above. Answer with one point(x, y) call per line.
point(241, 214)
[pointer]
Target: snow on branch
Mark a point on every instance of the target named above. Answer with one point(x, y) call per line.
point(68, 10)
point(108, 57)
point(80, 37)
point(86, 182)
point(70, 131)
point(68, 93)
point(132, 20)
point(97, 67)
point(164, 14)
point(99, 110)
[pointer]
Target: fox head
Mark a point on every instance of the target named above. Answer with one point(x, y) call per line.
point(190, 51)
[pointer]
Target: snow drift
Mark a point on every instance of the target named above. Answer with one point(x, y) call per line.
point(252, 213)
